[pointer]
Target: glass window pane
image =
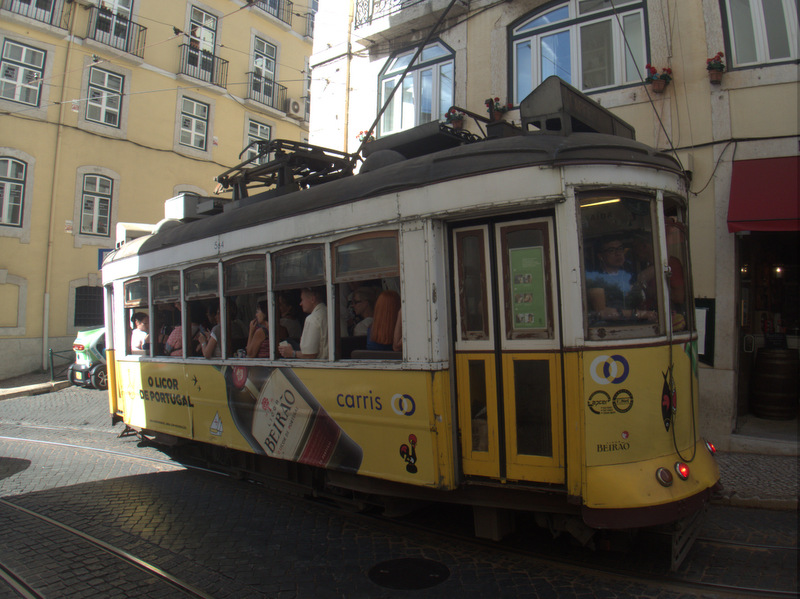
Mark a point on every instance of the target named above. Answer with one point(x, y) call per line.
point(446, 79)
point(524, 66)
point(376, 256)
point(136, 292)
point(426, 96)
point(555, 56)
point(744, 40)
point(478, 411)
point(201, 281)
point(554, 16)
point(166, 287)
point(472, 278)
point(407, 95)
point(532, 401)
point(597, 55)
point(246, 274)
point(299, 267)
point(677, 253)
point(775, 24)
point(634, 48)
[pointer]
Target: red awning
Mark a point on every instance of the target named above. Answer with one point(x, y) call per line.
point(764, 195)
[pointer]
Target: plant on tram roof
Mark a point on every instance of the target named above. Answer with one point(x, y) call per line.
point(365, 136)
point(493, 105)
point(715, 62)
point(653, 74)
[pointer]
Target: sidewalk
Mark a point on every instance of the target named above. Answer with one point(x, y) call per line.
point(760, 479)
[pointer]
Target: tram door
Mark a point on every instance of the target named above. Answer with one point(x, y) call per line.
point(508, 355)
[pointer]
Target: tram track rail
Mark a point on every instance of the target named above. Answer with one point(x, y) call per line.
point(26, 589)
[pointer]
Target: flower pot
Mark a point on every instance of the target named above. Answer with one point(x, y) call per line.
point(658, 85)
point(497, 115)
point(715, 76)
point(457, 125)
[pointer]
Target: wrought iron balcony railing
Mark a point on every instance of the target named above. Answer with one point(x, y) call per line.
point(280, 9)
point(52, 12)
point(266, 91)
point(367, 10)
point(117, 31)
point(203, 65)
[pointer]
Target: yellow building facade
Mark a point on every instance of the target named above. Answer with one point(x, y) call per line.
point(107, 109)
point(737, 137)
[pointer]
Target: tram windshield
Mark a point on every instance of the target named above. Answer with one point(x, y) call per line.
point(623, 286)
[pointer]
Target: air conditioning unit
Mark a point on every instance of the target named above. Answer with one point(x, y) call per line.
point(295, 108)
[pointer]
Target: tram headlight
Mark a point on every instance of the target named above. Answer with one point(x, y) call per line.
point(664, 477)
point(682, 470)
point(710, 446)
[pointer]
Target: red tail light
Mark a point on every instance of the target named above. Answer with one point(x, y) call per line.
point(77, 347)
point(682, 470)
point(711, 449)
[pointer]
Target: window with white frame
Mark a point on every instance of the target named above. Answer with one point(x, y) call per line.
point(590, 44)
point(12, 191)
point(426, 92)
point(203, 30)
point(21, 73)
point(257, 131)
point(104, 101)
point(96, 205)
point(761, 31)
point(194, 124)
point(114, 19)
point(264, 55)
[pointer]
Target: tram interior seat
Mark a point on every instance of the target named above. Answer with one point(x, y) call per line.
point(351, 344)
point(370, 354)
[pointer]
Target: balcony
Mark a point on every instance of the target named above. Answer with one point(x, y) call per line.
point(116, 31)
point(265, 91)
point(280, 9)
point(51, 12)
point(374, 18)
point(203, 65)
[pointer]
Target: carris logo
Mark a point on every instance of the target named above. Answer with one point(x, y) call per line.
point(403, 405)
point(610, 370)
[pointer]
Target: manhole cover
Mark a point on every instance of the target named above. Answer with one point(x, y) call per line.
point(409, 573)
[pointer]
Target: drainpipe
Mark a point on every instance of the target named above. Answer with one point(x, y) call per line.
point(48, 268)
point(350, 17)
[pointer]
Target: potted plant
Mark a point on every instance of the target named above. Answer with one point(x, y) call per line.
point(365, 136)
point(454, 118)
point(496, 109)
point(657, 80)
point(715, 67)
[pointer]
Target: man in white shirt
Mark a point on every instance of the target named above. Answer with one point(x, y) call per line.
point(314, 341)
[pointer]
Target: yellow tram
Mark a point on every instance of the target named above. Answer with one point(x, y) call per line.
point(546, 358)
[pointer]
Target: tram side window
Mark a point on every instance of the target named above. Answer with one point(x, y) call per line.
point(202, 332)
point(137, 316)
point(621, 282)
point(682, 318)
point(367, 285)
point(302, 306)
point(167, 314)
point(246, 307)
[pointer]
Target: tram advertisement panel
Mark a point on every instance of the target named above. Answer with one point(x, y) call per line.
point(370, 422)
point(633, 400)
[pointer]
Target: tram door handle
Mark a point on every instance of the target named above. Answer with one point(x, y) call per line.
point(748, 344)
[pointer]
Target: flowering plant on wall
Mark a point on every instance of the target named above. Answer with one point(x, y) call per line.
point(715, 62)
point(493, 105)
point(653, 74)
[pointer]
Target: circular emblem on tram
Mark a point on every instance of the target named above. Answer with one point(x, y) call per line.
point(239, 377)
point(610, 371)
point(403, 405)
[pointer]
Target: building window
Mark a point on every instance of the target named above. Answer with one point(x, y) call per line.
point(264, 55)
point(113, 19)
point(105, 97)
point(426, 92)
point(12, 191)
point(21, 72)
point(257, 131)
point(194, 124)
point(88, 306)
point(761, 31)
point(311, 15)
point(202, 40)
point(591, 44)
point(96, 205)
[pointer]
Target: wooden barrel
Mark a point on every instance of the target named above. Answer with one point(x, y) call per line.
point(775, 384)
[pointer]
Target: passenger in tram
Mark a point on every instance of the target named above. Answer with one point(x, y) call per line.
point(258, 338)
point(382, 332)
point(140, 336)
point(238, 330)
point(289, 317)
point(611, 291)
point(364, 309)
point(173, 344)
point(314, 340)
point(210, 341)
point(397, 343)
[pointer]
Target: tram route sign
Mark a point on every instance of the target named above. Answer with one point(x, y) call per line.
point(528, 291)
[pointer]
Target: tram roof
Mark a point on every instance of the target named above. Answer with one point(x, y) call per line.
point(389, 172)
